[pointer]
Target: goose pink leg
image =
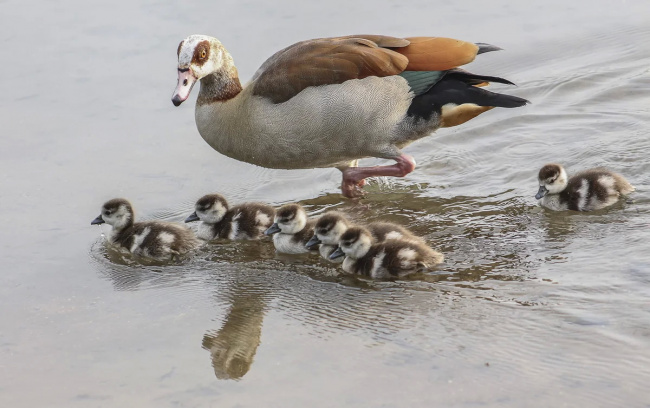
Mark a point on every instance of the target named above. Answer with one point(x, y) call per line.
point(354, 177)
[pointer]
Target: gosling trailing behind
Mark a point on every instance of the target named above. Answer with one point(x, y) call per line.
point(589, 190)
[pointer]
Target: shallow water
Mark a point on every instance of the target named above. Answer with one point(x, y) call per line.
point(531, 308)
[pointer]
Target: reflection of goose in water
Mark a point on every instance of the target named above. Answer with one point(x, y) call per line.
point(233, 347)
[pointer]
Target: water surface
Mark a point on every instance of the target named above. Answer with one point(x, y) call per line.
point(531, 308)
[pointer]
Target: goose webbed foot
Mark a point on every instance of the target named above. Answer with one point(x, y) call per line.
point(354, 177)
point(353, 189)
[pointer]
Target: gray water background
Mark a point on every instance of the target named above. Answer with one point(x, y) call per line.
point(531, 308)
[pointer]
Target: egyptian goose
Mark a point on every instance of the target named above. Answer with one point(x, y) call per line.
point(291, 230)
point(243, 221)
point(331, 101)
point(151, 239)
point(394, 258)
point(586, 191)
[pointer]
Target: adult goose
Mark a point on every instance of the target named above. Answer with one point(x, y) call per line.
point(331, 101)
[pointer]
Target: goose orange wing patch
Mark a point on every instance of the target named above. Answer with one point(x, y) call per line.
point(328, 61)
point(437, 53)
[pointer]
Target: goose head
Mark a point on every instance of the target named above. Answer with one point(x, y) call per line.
point(198, 57)
point(328, 229)
point(210, 209)
point(552, 180)
point(117, 213)
point(289, 219)
point(354, 243)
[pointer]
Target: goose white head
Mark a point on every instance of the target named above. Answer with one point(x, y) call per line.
point(117, 213)
point(355, 243)
point(552, 180)
point(289, 219)
point(199, 56)
point(210, 209)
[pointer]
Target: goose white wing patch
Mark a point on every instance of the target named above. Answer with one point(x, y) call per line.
point(234, 226)
point(582, 194)
point(394, 235)
point(378, 271)
point(166, 238)
point(138, 239)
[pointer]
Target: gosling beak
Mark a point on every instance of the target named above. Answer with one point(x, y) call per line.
point(311, 244)
point(186, 81)
point(337, 253)
point(272, 229)
point(192, 217)
point(98, 220)
point(541, 193)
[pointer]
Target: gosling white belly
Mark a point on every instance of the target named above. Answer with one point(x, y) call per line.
point(286, 244)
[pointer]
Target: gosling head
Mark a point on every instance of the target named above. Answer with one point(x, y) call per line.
point(289, 219)
point(210, 209)
point(117, 213)
point(199, 56)
point(328, 229)
point(552, 180)
point(354, 243)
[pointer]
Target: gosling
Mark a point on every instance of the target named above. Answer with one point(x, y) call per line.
point(589, 190)
point(240, 222)
point(394, 258)
point(331, 225)
point(156, 240)
point(291, 230)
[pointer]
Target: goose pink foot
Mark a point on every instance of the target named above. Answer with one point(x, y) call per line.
point(354, 177)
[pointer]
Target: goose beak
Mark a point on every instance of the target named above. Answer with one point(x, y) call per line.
point(192, 217)
point(541, 193)
point(98, 220)
point(272, 229)
point(311, 244)
point(186, 81)
point(337, 253)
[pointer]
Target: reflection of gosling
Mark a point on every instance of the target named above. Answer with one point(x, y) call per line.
point(152, 239)
point(331, 225)
point(393, 258)
point(243, 221)
point(233, 347)
point(291, 229)
point(586, 191)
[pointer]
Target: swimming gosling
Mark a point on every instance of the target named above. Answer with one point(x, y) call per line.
point(588, 190)
point(242, 221)
point(150, 239)
point(331, 225)
point(394, 258)
point(291, 230)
